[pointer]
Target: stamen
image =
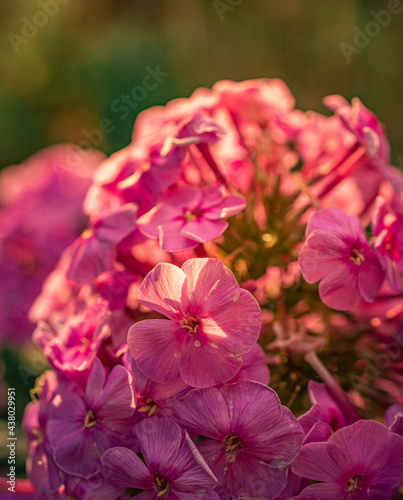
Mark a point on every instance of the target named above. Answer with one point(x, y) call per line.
point(189, 216)
point(191, 324)
point(357, 256)
point(90, 420)
point(352, 483)
point(162, 482)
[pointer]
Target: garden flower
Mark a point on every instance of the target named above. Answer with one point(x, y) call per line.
point(361, 461)
point(173, 468)
point(337, 254)
point(252, 441)
point(189, 216)
point(81, 429)
point(95, 250)
point(212, 323)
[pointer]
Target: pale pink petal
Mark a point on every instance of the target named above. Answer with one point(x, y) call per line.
point(155, 344)
point(339, 289)
point(161, 290)
point(224, 330)
point(124, 468)
point(209, 286)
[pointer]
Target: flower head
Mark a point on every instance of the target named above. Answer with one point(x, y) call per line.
point(336, 252)
point(252, 438)
point(363, 460)
point(212, 323)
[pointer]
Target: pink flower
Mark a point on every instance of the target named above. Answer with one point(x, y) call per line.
point(337, 254)
point(212, 323)
point(252, 438)
point(172, 469)
point(95, 250)
point(363, 460)
point(189, 216)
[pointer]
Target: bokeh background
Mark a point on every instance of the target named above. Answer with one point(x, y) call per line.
point(67, 76)
point(60, 81)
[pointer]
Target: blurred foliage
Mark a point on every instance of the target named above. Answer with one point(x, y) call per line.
point(64, 80)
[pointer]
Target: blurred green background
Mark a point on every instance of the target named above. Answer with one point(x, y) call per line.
point(58, 80)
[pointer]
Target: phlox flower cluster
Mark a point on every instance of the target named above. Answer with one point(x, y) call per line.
point(213, 331)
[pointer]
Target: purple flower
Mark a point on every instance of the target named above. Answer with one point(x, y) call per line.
point(189, 216)
point(212, 323)
point(82, 429)
point(173, 468)
point(394, 418)
point(361, 461)
point(337, 254)
point(252, 441)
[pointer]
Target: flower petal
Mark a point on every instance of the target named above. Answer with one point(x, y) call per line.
point(204, 230)
point(161, 290)
point(339, 289)
point(124, 468)
point(156, 346)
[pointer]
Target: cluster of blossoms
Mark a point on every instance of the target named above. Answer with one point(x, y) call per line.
point(195, 274)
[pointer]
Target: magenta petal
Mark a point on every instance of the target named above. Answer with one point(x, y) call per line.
point(204, 230)
point(158, 216)
point(209, 286)
point(321, 462)
point(124, 468)
point(190, 472)
point(89, 259)
point(231, 205)
point(254, 366)
point(159, 440)
point(254, 407)
point(370, 277)
point(171, 238)
point(156, 345)
point(320, 255)
point(322, 491)
point(279, 444)
point(95, 383)
point(248, 479)
point(205, 364)
point(334, 220)
point(204, 412)
point(161, 290)
point(339, 289)
point(117, 399)
point(213, 453)
point(75, 450)
point(116, 224)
